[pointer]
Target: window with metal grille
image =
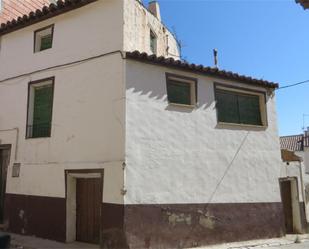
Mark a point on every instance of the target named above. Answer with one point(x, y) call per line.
point(43, 38)
point(239, 108)
point(40, 105)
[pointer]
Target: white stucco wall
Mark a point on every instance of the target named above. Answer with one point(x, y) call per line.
point(88, 114)
point(87, 128)
point(181, 155)
point(138, 22)
point(94, 29)
point(306, 159)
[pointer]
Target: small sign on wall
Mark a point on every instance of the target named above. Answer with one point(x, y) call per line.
point(16, 170)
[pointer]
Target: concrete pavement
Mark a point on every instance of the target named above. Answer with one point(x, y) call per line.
point(304, 245)
point(288, 242)
point(28, 242)
point(277, 243)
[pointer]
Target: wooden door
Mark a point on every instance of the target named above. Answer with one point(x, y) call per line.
point(4, 162)
point(286, 195)
point(88, 209)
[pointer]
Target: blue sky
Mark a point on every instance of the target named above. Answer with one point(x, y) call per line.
point(266, 39)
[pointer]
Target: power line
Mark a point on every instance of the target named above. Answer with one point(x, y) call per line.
point(295, 84)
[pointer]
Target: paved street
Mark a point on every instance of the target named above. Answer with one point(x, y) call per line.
point(293, 246)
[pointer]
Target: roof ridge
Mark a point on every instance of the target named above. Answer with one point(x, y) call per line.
point(291, 135)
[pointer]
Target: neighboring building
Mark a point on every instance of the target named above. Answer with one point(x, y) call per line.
point(295, 181)
point(299, 144)
point(126, 149)
point(304, 3)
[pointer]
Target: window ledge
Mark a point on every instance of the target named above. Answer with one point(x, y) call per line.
point(183, 105)
point(223, 124)
point(41, 51)
point(31, 138)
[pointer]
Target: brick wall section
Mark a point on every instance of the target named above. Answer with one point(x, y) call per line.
point(11, 9)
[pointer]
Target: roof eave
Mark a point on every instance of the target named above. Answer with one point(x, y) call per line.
point(215, 72)
point(40, 15)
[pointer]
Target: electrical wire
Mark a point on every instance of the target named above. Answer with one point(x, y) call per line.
point(69, 64)
point(295, 84)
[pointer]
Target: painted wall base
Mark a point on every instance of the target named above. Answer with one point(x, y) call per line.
point(113, 230)
point(151, 226)
point(190, 225)
point(39, 216)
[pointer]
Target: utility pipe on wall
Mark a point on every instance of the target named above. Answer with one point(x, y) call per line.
point(303, 190)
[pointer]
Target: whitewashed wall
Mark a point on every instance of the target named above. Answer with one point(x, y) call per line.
point(306, 159)
point(87, 128)
point(137, 24)
point(88, 115)
point(181, 155)
point(94, 29)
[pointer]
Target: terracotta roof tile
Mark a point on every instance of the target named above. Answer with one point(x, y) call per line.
point(17, 14)
point(294, 143)
point(209, 71)
point(12, 9)
point(289, 156)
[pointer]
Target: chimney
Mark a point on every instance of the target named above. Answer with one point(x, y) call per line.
point(154, 8)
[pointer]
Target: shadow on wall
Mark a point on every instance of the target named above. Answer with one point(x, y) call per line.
point(156, 92)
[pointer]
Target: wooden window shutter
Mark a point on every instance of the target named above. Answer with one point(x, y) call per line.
point(227, 106)
point(42, 111)
point(179, 92)
point(238, 108)
point(249, 109)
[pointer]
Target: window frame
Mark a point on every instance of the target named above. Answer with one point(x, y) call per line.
point(52, 26)
point(30, 86)
point(153, 34)
point(183, 79)
point(244, 91)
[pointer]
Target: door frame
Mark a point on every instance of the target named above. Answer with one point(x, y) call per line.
point(295, 202)
point(9, 148)
point(70, 196)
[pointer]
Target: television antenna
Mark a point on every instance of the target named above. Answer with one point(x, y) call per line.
point(304, 119)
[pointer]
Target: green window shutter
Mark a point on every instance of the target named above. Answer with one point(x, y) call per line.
point(249, 109)
point(153, 41)
point(179, 92)
point(227, 107)
point(42, 111)
point(46, 42)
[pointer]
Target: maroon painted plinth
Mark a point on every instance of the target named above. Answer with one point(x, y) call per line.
point(39, 216)
point(151, 226)
point(113, 235)
point(154, 226)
